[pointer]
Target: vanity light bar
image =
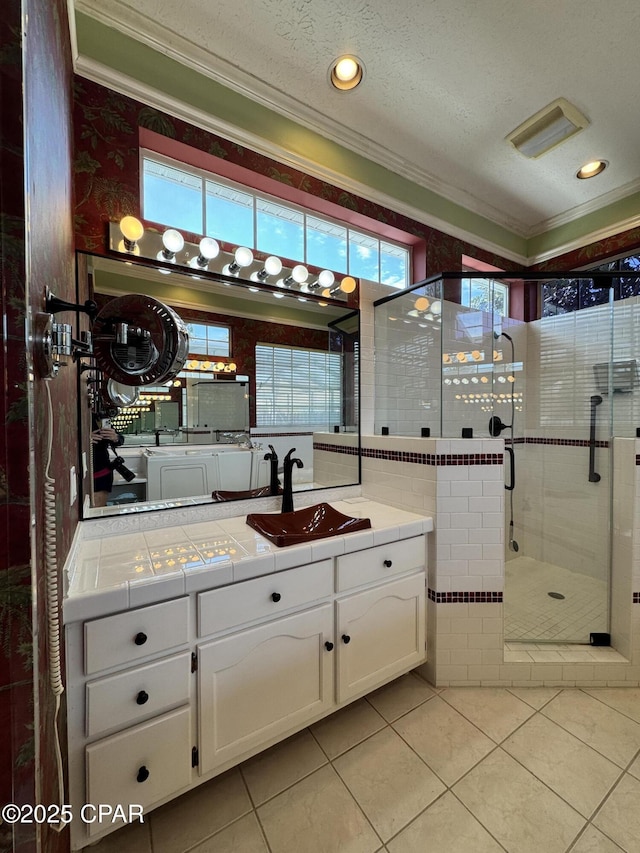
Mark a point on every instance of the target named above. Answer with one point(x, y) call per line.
point(129, 238)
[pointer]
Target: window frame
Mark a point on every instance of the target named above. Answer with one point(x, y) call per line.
point(332, 413)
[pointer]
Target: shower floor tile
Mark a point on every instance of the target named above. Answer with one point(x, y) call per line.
point(531, 614)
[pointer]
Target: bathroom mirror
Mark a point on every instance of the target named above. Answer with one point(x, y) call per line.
point(265, 370)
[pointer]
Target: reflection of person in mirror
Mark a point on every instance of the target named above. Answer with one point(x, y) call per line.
point(103, 437)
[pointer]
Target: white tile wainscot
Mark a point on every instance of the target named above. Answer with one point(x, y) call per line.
point(460, 482)
point(192, 647)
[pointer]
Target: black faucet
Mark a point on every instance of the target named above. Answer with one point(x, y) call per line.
point(274, 482)
point(287, 495)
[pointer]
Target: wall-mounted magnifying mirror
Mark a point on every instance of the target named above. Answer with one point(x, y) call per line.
point(262, 371)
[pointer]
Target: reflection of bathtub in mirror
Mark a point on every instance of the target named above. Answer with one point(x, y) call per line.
point(173, 472)
point(177, 473)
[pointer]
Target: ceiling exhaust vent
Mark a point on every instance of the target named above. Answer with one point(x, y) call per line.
point(549, 127)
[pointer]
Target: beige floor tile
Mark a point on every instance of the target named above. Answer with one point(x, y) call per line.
point(601, 727)
point(634, 769)
point(444, 826)
point(243, 836)
point(623, 699)
point(537, 697)
point(402, 695)
point(579, 774)
point(135, 838)
point(195, 816)
point(619, 818)
point(390, 783)
point(441, 736)
point(275, 769)
point(493, 710)
point(347, 727)
point(516, 808)
point(317, 815)
point(593, 841)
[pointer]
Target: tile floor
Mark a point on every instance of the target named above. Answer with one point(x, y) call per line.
point(530, 613)
point(413, 769)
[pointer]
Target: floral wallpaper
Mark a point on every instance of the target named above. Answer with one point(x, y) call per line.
point(106, 165)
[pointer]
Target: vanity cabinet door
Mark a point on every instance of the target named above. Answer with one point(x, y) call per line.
point(262, 683)
point(380, 634)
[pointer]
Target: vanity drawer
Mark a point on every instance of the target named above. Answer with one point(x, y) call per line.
point(144, 765)
point(380, 563)
point(121, 700)
point(270, 595)
point(128, 637)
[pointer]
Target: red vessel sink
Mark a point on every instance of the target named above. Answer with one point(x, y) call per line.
point(305, 525)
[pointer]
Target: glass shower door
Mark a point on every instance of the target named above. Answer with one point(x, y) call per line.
point(557, 581)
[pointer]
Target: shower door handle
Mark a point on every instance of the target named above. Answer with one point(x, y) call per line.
point(596, 399)
point(512, 479)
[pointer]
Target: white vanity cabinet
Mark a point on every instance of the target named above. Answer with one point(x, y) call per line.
point(166, 696)
point(130, 717)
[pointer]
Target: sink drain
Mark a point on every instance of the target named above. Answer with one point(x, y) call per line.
point(555, 595)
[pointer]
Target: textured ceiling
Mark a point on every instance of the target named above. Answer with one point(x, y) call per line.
point(446, 81)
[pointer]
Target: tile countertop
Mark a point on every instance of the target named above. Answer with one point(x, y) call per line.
point(122, 571)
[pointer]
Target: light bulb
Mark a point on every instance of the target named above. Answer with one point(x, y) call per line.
point(346, 69)
point(326, 278)
point(243, 257)
point(326, 293)
point(299, 273)
point(272, 266)
point(131, 228)
point(172, 240)
point(436, 307)
point(346, 73)
point(132, 231)
point(421, 303)
point(209, 249)
point(348, 284)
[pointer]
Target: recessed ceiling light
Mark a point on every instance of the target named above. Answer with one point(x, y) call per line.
point(346, 72)
point(590, 170)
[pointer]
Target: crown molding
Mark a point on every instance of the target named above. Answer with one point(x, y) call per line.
point(586, 239)
point(592, 206)
point(107, 76)
point(153, 35)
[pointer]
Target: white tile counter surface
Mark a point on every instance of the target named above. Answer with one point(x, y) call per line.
point(130, 570)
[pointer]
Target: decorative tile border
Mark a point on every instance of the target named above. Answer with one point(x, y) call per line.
point(336, 448)
point(564, 442)
point(465, 597)
point(276, 434)
point(438, 459)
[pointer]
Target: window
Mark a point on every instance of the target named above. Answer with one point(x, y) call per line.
point(297, 387)
point(190, 199)
point(572, 294)
point(485, 294)
point(207, 339)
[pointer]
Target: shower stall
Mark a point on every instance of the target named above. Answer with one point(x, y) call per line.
point(563, 394)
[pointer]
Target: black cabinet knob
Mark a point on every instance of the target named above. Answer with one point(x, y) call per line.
point(142, 697)
point(346, 638)
point(387, 563)
point(275, 596)
point(140, 639)
point(143, 774)
point(328, 646)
